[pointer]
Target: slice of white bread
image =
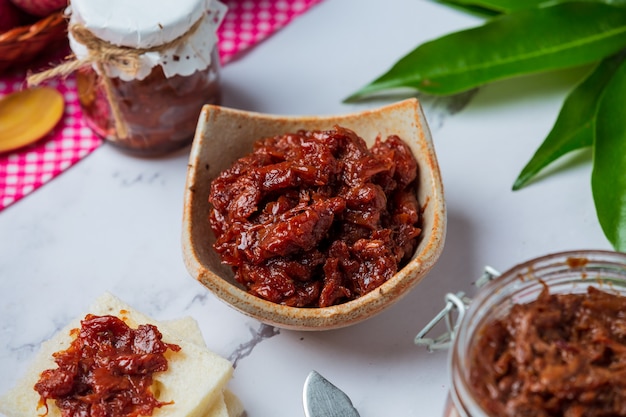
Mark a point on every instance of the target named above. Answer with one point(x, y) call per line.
point(228, 405)
point(195, 378)
point(233, 404)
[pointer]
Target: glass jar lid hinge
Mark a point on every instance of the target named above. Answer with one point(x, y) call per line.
point(452, 313)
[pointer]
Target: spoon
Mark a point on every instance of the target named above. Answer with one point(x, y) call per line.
point(27, 116)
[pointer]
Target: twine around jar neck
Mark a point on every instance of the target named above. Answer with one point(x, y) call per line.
point(101, 53)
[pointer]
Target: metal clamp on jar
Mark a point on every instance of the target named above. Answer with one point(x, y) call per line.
point(145, 69)
point(545, 338)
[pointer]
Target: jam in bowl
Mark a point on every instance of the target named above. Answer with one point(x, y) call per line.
point(226, 135)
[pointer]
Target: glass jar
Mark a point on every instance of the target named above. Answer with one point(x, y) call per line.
point(147, 97)
point(560, 273)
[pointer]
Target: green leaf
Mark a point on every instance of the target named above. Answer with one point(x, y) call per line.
point(500, 6)
point(608, 179)
point(574, 127)
point(469, 8)
point(524, 42)
point(508, 6)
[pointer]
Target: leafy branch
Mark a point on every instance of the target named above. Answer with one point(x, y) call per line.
point(521, 37)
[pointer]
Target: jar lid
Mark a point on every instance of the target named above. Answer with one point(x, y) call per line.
point(144, 24)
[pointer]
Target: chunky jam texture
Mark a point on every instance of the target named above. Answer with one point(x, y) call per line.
point(563, 355)
point(107, 371)
point(315, 218)
point(160, 113)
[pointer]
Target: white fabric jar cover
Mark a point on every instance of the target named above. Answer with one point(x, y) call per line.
point(144, 24)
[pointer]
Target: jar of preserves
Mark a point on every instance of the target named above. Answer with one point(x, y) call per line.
point(546, 338)
point(152, 65)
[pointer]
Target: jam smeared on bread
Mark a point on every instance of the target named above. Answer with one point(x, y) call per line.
point(194, 384)
point(107, 371)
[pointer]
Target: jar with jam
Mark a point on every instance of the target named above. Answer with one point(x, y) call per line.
point(153, 64)
point(546, 338)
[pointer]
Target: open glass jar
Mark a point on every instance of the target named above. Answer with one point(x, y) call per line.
point(153, 65)
point(556, 275)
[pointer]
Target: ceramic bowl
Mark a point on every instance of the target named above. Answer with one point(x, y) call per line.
point(224, 135)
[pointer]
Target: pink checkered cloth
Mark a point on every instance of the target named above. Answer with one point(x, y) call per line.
point(247, 23)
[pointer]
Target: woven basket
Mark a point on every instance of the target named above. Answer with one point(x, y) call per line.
point(20, 45)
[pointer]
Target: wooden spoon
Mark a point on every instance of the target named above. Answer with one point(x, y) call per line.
point(27, 116)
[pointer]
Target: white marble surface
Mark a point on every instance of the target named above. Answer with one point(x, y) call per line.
point(113, 222)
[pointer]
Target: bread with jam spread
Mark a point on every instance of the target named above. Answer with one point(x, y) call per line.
point(194, 381)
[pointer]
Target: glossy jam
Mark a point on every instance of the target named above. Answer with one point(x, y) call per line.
point(107, 371)
point(545, 339)
point(160, 113)
point(315, 218)
point(561, 355)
